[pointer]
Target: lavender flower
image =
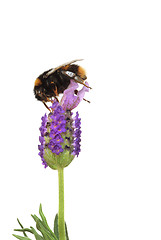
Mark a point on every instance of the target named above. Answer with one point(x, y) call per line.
point(43, 130)
point(60, 132)
point(77, 135)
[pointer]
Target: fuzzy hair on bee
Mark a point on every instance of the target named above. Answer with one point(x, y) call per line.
point(56, 80)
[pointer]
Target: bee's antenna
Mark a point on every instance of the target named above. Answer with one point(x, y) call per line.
point(78, 81)
point(86, 100)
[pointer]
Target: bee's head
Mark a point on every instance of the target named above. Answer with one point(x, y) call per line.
point(82, 73)
point(39, 91)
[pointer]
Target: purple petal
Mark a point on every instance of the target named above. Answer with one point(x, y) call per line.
point(55, 148)
point(54, 105)
point(81, 93)
point(69, 100)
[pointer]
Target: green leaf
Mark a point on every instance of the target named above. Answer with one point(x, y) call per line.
point(21, 227)
point(66, 232)
point(37, 236)
point(21, 238)
point(24, 230)
point(46, 231)
point(56, 231)
point(38, 226)
point(41, 225)
point(42, 215)
point(44, 222)
point(35, 217)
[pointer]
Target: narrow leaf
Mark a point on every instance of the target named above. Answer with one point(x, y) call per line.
point(23, 230)
point(21, 238)
point(38, 226)
point(56, 231)
point(21, 227)
point(66, 232)
point(50, 235)
point(42, 215)
point(35, 217)
point(43, 227)
point(44, 221)
point(37, 236)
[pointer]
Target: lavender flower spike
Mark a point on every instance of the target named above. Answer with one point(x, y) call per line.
point(60, 137)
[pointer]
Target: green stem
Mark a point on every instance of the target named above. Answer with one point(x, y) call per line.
point(61, 223)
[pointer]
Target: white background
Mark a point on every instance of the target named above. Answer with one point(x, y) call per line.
point(113, 190)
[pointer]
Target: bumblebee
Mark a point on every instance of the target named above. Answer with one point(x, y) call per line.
point(54, 81)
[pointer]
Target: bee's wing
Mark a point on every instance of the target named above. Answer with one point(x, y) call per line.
point(63, 65)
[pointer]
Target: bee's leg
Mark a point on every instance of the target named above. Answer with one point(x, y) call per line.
point(76, 91)
point(46, 106)
point(86, 100)
point(50, 100)
point(56, 94)
point(56, 98)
